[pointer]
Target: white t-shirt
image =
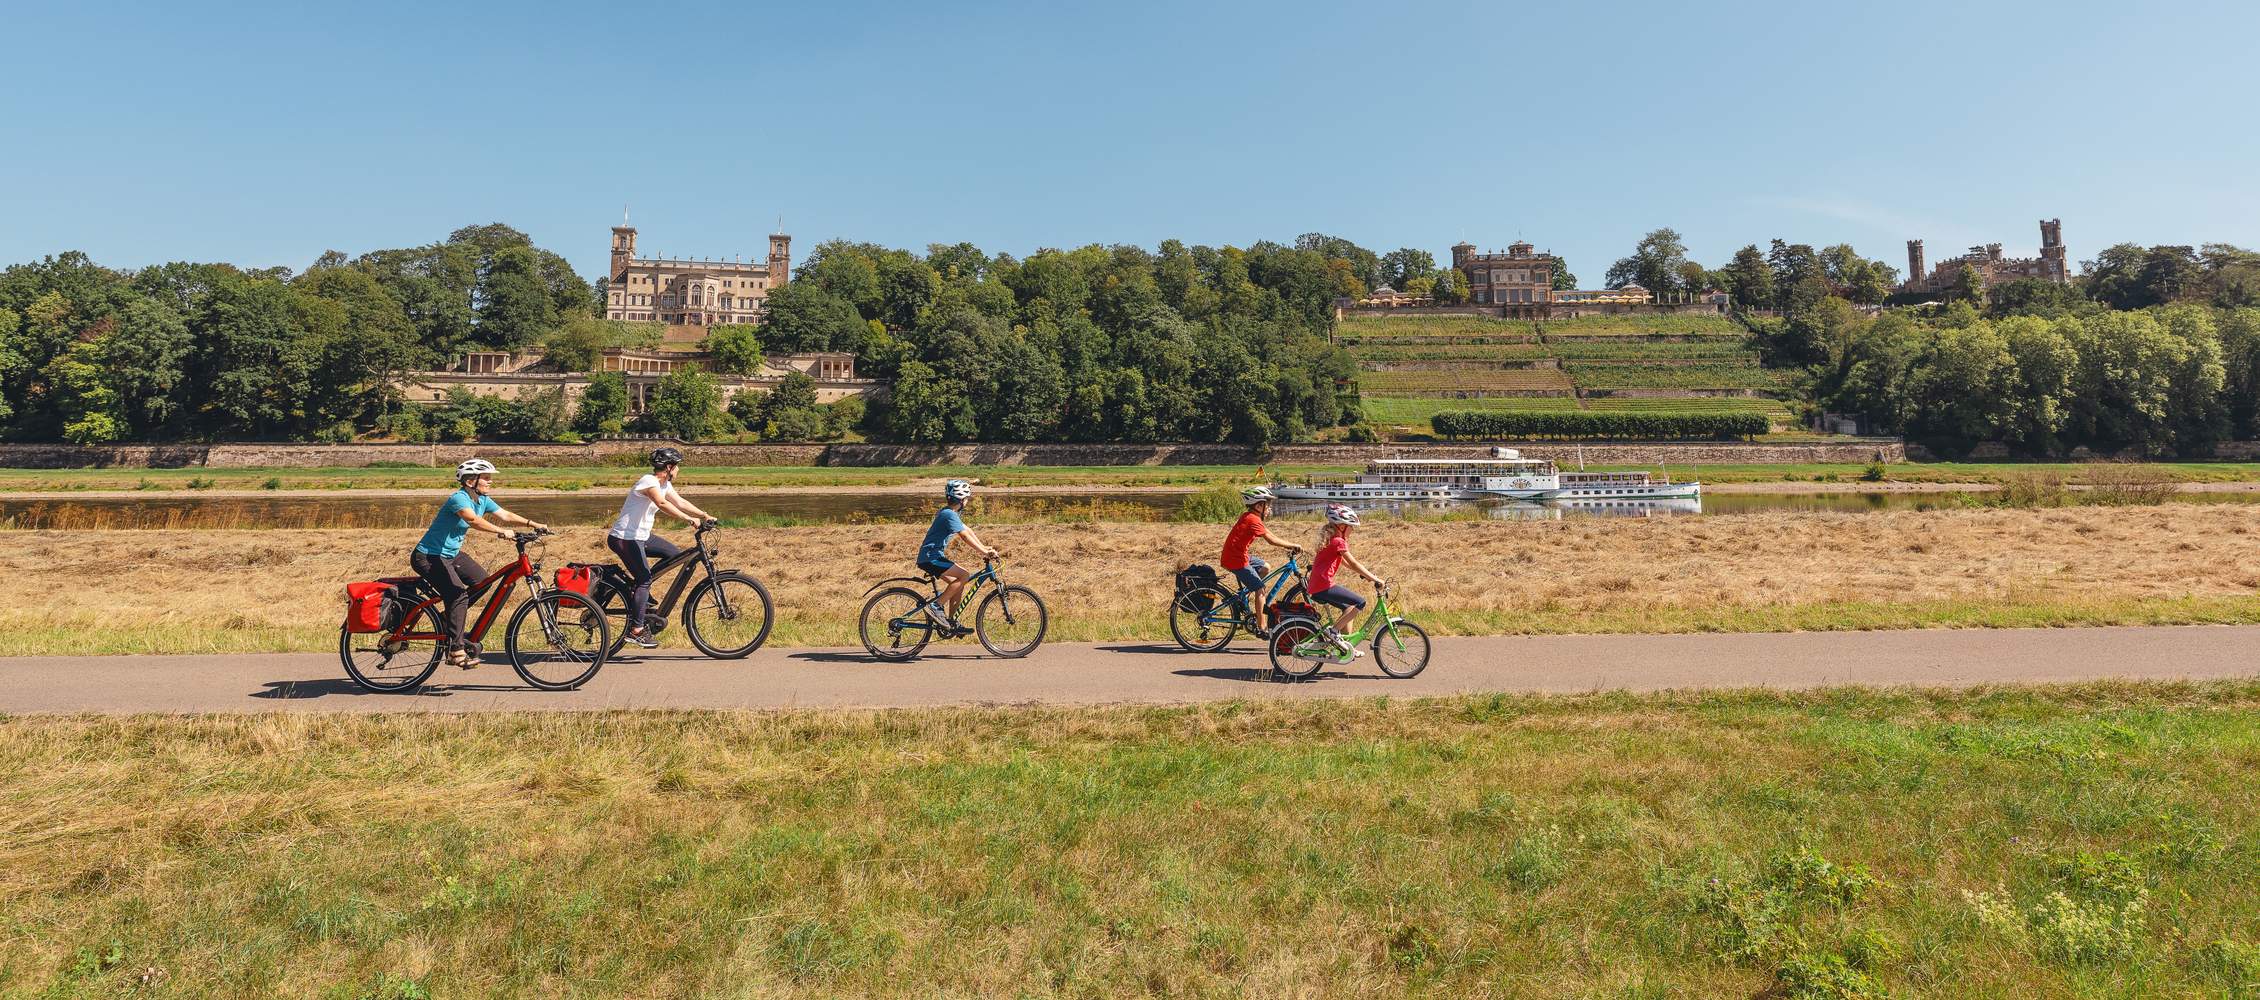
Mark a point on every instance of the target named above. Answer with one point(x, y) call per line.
point(634, 522)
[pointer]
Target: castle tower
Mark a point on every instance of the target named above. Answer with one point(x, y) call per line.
point(1460, 253)
point(780, 259)
point(1915, 272)
point(2052, 251)
point(623, 250)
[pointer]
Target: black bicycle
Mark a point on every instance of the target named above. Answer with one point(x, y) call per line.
point(727, 613)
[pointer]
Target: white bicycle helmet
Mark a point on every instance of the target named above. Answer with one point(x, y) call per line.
point(473, 467)
point(1254, 495)
point(1340, 514)
point(957, 489)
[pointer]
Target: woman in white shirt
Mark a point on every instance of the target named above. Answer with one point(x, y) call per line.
point(631, 538)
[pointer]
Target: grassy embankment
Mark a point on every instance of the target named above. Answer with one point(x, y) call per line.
point(2064, 842)
point(215, 590)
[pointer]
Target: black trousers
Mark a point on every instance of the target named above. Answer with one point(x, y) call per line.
point(637, 558)
point(453, 577)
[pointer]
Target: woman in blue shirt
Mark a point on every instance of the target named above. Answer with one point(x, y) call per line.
point(439, 556)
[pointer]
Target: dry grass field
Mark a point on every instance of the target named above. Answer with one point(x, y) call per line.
point(197, 591)
point(2068, 842)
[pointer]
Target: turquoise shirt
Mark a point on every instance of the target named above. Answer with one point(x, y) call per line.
point(445, 537)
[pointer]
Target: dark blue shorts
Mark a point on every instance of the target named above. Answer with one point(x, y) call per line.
point(1340, 597)
point(1251, 580)
point(936, 567)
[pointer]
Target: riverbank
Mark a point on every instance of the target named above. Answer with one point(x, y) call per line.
point(2074, 841)
point(276, 591)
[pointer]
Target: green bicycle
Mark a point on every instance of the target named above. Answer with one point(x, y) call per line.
point(895, 626)
point(1299, 646)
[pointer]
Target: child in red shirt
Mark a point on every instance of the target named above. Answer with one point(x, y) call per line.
point(1250, 527)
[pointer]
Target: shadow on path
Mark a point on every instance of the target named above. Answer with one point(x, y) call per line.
point(1172, 649)
point(819, 656)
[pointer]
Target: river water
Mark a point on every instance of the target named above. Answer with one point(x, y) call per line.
point(64, 511)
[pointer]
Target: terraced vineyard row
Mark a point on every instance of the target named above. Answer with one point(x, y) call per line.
point(1492, 380)
point(1421, 327)
point(1451, 352)
point(1699, 404)
point(1692, 324)
point(1634, 349)
point(1696, 375)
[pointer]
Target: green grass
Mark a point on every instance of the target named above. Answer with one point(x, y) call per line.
point(1449, 352)
point(1394, 410)
point(2089, 841)
point(1712, 404)
point(1624, 349)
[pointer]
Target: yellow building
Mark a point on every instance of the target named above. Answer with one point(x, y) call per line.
point(690, 293)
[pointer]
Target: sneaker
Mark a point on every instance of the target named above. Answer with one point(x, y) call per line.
point(643, 638)
point(940, 617)
point(459, 658)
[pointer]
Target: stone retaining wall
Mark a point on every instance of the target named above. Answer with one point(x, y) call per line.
point(629, 453)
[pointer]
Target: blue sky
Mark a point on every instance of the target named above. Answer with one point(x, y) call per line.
point(265, 134)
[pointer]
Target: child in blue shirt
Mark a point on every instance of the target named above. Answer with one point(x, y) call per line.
point(933, 553)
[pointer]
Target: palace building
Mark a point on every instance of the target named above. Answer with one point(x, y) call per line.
point(1521, 279)
point(690, 294)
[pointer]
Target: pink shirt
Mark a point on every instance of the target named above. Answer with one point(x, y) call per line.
point(1329, 557)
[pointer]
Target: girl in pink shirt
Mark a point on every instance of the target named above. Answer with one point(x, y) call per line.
point(1333, 551)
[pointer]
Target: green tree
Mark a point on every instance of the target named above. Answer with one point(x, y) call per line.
point(1749, 279)
point(1451, 288)
point(688, 405)
point(1969, 286)
point(928, 407)
point(1654, 265)
point(736, 350)
point(1405, 265)
point(515, 305)
point(802, 316)
point(604, 404)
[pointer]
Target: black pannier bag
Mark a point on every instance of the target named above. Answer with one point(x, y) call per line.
point(406, 593)
point(1193, 578)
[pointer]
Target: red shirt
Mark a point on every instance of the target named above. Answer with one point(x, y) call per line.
point(1244, 531)
point(1329, 559)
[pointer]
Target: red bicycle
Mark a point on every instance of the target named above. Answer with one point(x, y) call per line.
point(395, 630)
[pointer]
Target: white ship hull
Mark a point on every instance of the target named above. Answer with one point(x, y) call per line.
point(1363, 493)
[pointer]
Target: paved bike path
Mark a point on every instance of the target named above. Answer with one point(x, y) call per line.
point(1148, 673)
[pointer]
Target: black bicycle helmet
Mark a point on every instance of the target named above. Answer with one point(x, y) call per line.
point(664, 457)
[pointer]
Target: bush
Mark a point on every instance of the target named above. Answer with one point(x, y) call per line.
point(689, 405)
point(405, 425)
point(1587, 424)
point(1220, 505)
point(604, 404)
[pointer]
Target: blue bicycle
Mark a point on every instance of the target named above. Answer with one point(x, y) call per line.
point(1010, 620)
point(1204, 619)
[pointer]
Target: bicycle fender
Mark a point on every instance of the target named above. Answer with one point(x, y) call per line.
point(899, 579)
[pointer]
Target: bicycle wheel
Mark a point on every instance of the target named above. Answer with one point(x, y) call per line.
point(1400, 649)
point(727, 634)
point(558, 641)
point(1011, 621)
point(612, 606)
point(393, 667)
point(1291, 633)
point(1204, 631)
point(893, 627)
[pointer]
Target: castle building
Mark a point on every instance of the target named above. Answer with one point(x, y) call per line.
point(1990, 265)
point(691, 294)
point(1521, 280)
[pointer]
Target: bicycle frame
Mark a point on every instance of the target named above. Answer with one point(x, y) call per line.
point(701, 553)
point(1277, 581)
point(1379, 613)
point(503, 581)
point(973, 585)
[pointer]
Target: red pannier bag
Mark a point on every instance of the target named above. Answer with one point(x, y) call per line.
point(365, 606)
point(576, 577)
